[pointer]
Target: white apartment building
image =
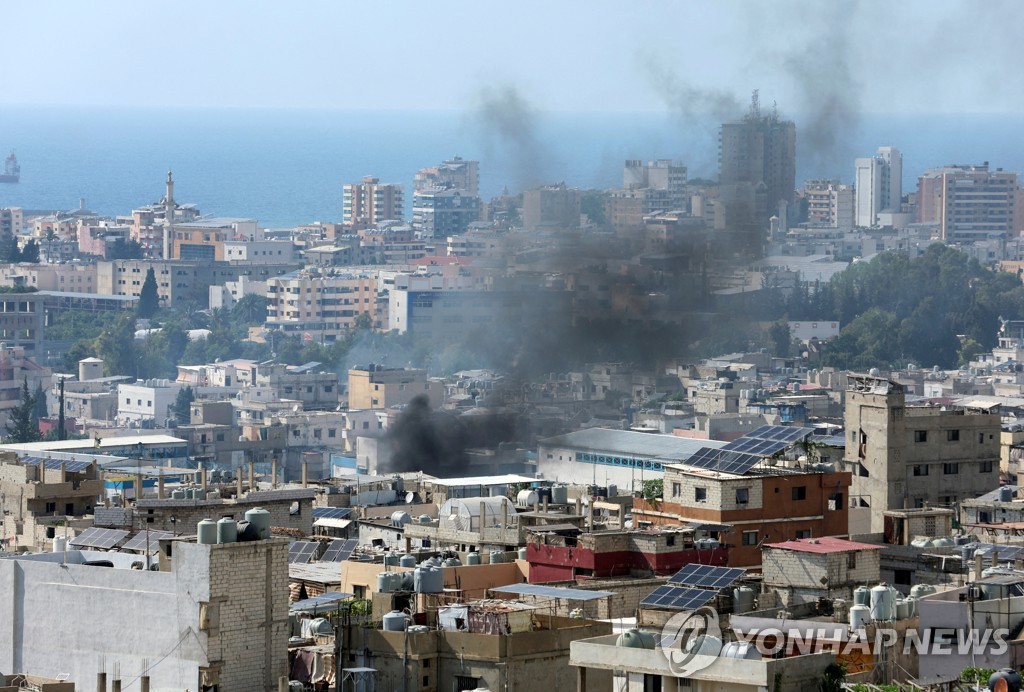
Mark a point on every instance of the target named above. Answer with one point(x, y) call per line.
point(878, 181)
point(321, 305)
point(150, 400)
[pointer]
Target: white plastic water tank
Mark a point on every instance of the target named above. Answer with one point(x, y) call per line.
point(59, 544)
point(860, 615)
point(526, 498)
point(743, 650)
point(882, 603)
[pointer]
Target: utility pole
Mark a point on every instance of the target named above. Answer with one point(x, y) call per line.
point(61, 432)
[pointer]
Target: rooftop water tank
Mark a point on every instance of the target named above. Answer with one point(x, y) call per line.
point(904, 610)
point(742, 599)
point(613, 490)
point(882, 602)
point(227, 530)
point(392, 559)
point(407, 561)
point(400, 519)
point(259, 518)
point(704, 645)
point(424, 519)
point(177, 494)
point(636, 639)
point(862, 596)
point(521, 553)
point(428, 580)
point(559, 495)
point(395, 621)
point(920, 590)
point(199, 494)
point(418, 629)
point(1006, 493)
point(207, 532)
point(384, 582)
point(943, 542)
point(743, 650)
point(451, 562)
point(473, 558)
point(526, 498)
point(321, 626)
point(912, 604)
point(213, 495)
point(860, 615)
point(496, 556)
point(408, 581)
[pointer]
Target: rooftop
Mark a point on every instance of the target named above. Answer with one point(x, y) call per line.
point(667, 447)
point(822, 546)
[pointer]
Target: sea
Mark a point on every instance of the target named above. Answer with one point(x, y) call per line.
point(287, 167)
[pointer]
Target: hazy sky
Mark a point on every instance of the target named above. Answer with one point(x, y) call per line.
point(883, 56)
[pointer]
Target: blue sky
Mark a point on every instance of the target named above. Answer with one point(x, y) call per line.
point(937, 56)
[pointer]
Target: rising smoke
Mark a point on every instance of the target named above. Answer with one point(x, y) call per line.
point(507, 123)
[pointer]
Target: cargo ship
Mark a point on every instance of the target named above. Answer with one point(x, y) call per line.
point(12, 171)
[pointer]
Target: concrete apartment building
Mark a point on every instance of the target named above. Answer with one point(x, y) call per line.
point(150, 400)
point(456, 173)
point(905, 456)
point(34, 496)
point(757, 153)
point(439, 212)
point(17, 369)
point(179, 282)
point(496, 651)
point(377, 386)
point(552, 206)
point(370, 202)
point(807, 569)
point(212, 616)
point(68, 278)
point(878, 181)
point(21, 321)
point(969, 202)
point(829, 203)
point(320, 302)
point(12, 221)
point(766, 504)
point(271, 251)
point(204, 240)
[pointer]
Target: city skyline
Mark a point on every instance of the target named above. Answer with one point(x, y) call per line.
point(830, 61)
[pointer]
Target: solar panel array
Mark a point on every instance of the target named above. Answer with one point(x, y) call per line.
point(677, 598)
point(100, 539)
point(302, 552)
point(706, 576)
point(1006, 552)
point(146, 541)
point(331, 512)
point(740, 455)
point(553, 592)
point(339, 550)
point(55, 464)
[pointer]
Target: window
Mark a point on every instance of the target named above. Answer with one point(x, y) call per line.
point(742, 496)
point(952, 436)
point(920, 469)
point(677, 490)
point(51, 507)
point(700, 494)
point(920, 436)
point(851, 561)
point(799, 493)
point(950, 469)
point(981, 438)
point(749, 538)
point(985, 467)
point(805, 533)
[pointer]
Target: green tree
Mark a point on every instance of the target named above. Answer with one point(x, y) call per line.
point(181, 409)
point(124, 249)
point(116, 346)
point(782, 340)
point(39, 399)
point(30, 253)
point(149, 301)
point(250, 310)
point(653, 489)
point(20, 424)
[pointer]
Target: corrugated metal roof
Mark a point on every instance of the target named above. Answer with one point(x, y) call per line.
point(653, 445)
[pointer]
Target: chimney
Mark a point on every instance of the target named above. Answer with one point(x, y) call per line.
point(138, 487)
point(252, 476)
point(160, 487)
point(205, 480)
point(101, 682)
point(545, 504)
point(144, 683)
point(238, 482)
point(979, 565)
point(63, 472)
point(115, 685)
point(273, 472)
point(305, 473)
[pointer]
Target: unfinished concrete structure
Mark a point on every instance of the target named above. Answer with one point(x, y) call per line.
point(904, 456)
point(213, 616)
point(803, 571)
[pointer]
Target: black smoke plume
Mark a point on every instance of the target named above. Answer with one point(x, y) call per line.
point(423, 440)
point(508, 125)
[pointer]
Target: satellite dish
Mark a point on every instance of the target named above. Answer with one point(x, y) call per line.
point(409, 497)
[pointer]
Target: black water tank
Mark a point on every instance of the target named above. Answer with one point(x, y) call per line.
point(1005, 680)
